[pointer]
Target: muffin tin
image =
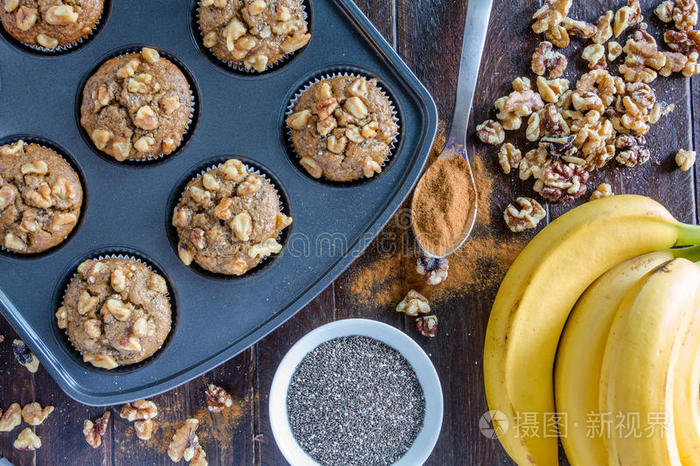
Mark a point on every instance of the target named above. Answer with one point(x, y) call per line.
point(127, 207)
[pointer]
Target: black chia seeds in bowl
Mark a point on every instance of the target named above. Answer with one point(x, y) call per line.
point(355, 401)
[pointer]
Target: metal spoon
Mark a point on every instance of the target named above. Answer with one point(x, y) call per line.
point(475, 27)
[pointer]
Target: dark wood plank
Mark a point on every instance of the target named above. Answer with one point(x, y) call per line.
point(269, 353)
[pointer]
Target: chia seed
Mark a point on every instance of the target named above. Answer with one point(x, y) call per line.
point(355, 401)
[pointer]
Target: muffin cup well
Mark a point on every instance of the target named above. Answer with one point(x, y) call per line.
point(114, 253)
point(330, 74)
point(65, 155)
point(253, 167)
point(307, 11)
point(191, 122)
point(62, 49)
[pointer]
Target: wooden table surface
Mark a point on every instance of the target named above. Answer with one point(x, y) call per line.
point(427, 34)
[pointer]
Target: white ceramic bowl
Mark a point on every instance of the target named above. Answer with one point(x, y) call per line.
point(416, 357)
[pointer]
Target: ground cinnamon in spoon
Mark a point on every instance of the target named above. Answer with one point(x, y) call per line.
point(442, 205)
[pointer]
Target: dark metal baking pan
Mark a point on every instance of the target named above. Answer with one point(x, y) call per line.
point(239, 114)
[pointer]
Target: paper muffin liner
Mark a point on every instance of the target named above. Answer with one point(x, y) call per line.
point(117, 254)
point(283, 60)
point(61, 49)
point(252, 168)
point(47, 144)
point(191, 121)
point(330, 75)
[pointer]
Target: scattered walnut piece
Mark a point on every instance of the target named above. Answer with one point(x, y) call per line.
point(94, 432)
point(685, 159)
point(579, 28)
point(684, 42)
point(2, 338)
point(27, 440)
point(547, 60)
point(594, 54)
point(526, 217)
point(627, 16)
point(631, 150)
point(603, 190)
point(691, 68)
point(144, 429)
point(11, 418)
point(551, 90)
point(685, 14)
point(427, 325)
point(614, 50)
point(642, 59)
point(548, 20)
point(665, 11)
point(562, 182)
point(414, 304)
point(434, 269)
point(509, 157)
point(24, 356)
point(217, 398)
point(490, 132)
point(523, 103)
point(185, 441)
point(139, 410)
point(605, 30)
point(509, 120)
point(34, 415)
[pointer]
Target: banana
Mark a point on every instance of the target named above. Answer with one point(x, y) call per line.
point(535, 299)
point(580, 355)
point(686, 402)
point(639, 365)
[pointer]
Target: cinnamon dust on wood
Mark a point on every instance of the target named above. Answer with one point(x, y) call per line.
point(442, 206)
point(477, 267)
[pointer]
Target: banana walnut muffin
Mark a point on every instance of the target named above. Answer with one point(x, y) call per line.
point(50, 23)
point(253, 34)
point(115, 312)
point(136, 106)
point(228, 220)
point(40, 198)
point(342, 128)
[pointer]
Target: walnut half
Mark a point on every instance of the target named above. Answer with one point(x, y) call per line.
point(526, 217)
point(217, 398)
point(94, 431)
point(185, 441)
point(413, 304)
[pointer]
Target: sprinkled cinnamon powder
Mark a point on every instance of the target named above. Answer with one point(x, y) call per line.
point(478, 266)
point(442, 206)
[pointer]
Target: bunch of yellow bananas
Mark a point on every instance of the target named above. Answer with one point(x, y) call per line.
point(599, 290)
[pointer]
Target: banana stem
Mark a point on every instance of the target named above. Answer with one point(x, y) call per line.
point(691, 253)
point(688, 235)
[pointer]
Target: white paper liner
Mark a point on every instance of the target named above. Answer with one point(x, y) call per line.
point(330, 75)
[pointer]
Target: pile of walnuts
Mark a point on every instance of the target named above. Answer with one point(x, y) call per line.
point(602, 118)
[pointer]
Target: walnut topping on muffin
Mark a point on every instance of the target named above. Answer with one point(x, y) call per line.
point(253, 34)
point(115, 312)
point(50, 24)
point(136, 106)
point(343, 128)
point(228, 220)
point(40, 198)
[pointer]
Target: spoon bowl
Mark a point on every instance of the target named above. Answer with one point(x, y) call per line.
point(475, 27)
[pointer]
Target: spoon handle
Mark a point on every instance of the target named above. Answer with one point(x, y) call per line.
point(475, 27)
